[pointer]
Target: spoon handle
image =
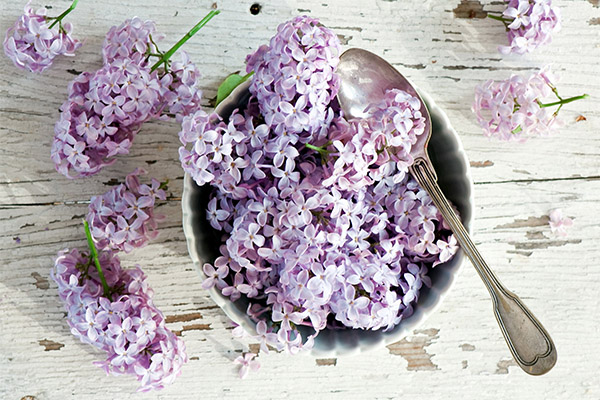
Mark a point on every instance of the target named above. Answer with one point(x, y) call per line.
point(528, 341)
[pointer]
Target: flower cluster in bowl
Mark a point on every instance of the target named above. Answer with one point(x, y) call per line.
point(321, 224)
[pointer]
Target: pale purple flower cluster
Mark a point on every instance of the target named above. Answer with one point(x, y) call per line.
point(31, 44)
point(181, 95)
point(511, 109)
point(106, 109)
point(101, 116)
point(136, 40)
point(361, 147)
point(533, 24)
point(123, 218)
point(126, 324)
point(131, 40)
point(326, 233)
point(294, 77)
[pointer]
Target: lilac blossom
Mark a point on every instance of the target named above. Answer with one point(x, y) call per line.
point(125, 324)
point(247, 363)
point(512, 109)
point(529, 24)
point(294, 77)
point(35, 40)
point(322, 226)
point(101, 116)
point(106, 109)
point(123, 218)
point(559, 223)
point(132, 40)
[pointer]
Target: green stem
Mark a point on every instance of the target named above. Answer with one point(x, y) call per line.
point(184, 39)
point(90, 241)
point(164, 185)
point(316, 148)
point(564, 101)
point(64, 14)
point(496, 17)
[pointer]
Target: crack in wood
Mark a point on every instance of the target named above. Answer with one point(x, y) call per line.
point(481, 164)
point(503, 366)
point(543, 245)
point(520, 252)
point(412, 66)
point(469, 9)
point(50, 345)
point(535, 235)
point(193, 327)
point(533, 180)
point(325, 362)
point(344, 39)
point(530, 222)
point(467, 347)
point(41, 282)
point(413, 350)
point(183, 317)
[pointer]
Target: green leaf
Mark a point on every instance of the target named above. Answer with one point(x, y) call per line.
point(231, 82)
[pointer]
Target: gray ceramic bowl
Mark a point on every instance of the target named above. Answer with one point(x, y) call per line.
point(452, 168)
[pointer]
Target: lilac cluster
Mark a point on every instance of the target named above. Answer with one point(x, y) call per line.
point(294, 79)
point(105, 110)
point(326, 233)
point(101, 116)
point(529, 24)
point(123, 218)
point(136, 40)
point(512, 109)
point(131, 40)
point(35, 40)
point(361, 147)
point(179, 88)
point(125, 324)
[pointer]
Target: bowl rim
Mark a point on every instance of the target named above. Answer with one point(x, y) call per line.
point(400, 331)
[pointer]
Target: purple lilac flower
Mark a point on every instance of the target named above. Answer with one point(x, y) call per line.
point(361, 147)
point(35, 40)
point(123, 218)
point(294, 78)
point(322, 226)
point(559, 223)
point(125, 324)
point(136, 40)
point(247, 364)
point(105, 109)
point(131, 40)
point(512, 109)
point(529, 24)
point(102, 115)
point(294, 245)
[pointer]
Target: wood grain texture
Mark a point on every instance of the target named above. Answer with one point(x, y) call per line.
point(446, 49)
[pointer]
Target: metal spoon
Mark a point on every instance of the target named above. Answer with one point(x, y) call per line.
point(364, 79)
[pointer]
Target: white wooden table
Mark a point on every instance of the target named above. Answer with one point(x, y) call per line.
point(444, 47)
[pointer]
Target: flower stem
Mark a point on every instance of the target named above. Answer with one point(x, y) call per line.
point(94, 252)
point(498, 18)
point(64, 14)
point(564, 101)
point(184, 39)
point(316, 148)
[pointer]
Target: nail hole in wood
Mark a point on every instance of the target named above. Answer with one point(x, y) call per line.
point(255, 9)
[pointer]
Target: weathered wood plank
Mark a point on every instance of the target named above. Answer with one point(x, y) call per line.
point(458, 350)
